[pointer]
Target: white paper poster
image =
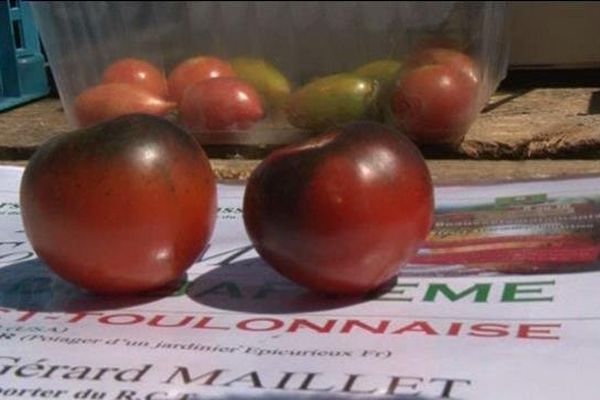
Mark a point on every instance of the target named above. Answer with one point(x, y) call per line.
point(501, 303)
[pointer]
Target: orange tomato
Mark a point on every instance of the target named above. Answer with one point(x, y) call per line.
point(104, 102)
point(195, 70)
point(139, 73)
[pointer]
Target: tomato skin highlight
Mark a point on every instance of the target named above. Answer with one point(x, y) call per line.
point(221, 104)
point(137, 72)
point(343, 212)
point(120, 208)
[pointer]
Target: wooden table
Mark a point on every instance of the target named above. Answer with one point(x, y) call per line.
point(522, 134)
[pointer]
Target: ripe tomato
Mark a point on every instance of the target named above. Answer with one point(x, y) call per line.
point(342, 212)
point(434, 104)
point(195, 70)
point(123, 207)
point(104, 102)
point(220, 104)
point(452, 58)
point(139, 73)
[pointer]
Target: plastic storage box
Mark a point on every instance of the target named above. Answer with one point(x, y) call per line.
point(22, 65)
point(317, 64)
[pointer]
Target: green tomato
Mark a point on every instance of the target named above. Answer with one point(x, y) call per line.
point(331, 100)
point(383, 71)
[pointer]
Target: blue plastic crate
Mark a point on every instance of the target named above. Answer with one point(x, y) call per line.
point(22, 65)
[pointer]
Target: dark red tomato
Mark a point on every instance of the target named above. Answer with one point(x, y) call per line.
point(139, 73)
point(343, 212)
point(452, 58)
point(434, 104)
point(195, 70)
point(124, 207)
point(104, 102)
point(221, 104)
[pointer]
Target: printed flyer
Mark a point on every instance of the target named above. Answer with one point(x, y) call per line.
point(502, 302)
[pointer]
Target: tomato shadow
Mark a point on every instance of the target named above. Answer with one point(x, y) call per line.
point(251, 286)
point(32, 286)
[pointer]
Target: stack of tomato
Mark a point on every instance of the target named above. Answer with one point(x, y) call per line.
point(128, 203)
point(206, 90)
point(431, 96)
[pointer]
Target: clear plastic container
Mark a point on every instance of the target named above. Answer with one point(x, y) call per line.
point(301, 43)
